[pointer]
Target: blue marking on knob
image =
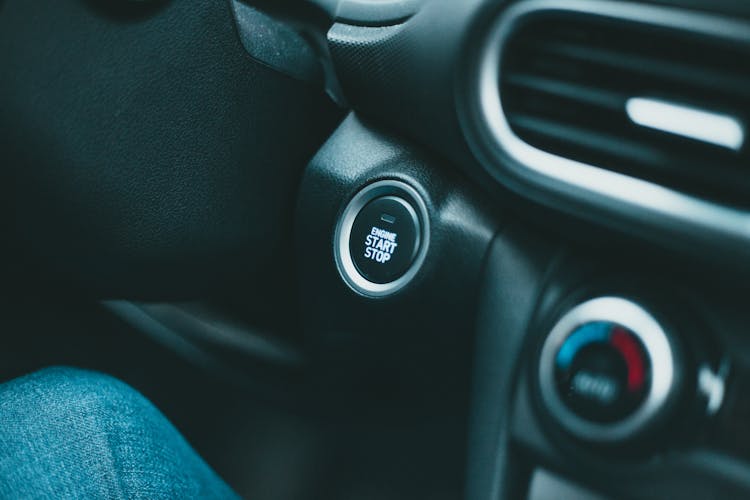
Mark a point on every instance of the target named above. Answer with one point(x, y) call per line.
point(590, 332)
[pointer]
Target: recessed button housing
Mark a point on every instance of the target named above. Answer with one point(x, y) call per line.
point(382, 237)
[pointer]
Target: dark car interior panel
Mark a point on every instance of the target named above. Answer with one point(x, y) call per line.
point(393, 249)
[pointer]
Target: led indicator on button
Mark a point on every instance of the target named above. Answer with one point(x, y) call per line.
point(387, 218)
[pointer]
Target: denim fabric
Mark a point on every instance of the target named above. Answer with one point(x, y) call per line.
point(68, 433)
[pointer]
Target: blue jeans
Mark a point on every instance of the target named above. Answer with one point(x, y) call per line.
point(68, 433)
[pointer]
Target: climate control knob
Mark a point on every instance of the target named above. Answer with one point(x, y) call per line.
point(607, 370)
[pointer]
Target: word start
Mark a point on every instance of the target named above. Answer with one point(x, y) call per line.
point(380, 244)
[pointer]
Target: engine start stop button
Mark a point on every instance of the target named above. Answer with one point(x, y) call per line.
point(381, 238)
point(384, 239)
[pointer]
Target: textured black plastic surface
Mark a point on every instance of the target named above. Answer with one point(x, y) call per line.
point(405, 74)
point(145, 153)
point(513, 278)
point(431, 318)
point(411, 349)
point(411, 65)
point(277, 44)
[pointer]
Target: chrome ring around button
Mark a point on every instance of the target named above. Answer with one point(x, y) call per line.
point(344, 262)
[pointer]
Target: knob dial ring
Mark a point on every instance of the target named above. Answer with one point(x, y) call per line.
point(657, 348)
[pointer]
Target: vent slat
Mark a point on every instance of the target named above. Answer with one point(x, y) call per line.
point(596, 142)
point(569, 90)
point(614, 151)
point(643, 66)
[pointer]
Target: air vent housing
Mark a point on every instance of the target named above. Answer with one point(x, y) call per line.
point(569, 82)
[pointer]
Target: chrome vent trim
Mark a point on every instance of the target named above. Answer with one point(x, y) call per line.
point(587, 190)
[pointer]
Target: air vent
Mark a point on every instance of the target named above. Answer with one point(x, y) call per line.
point(657, 102)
